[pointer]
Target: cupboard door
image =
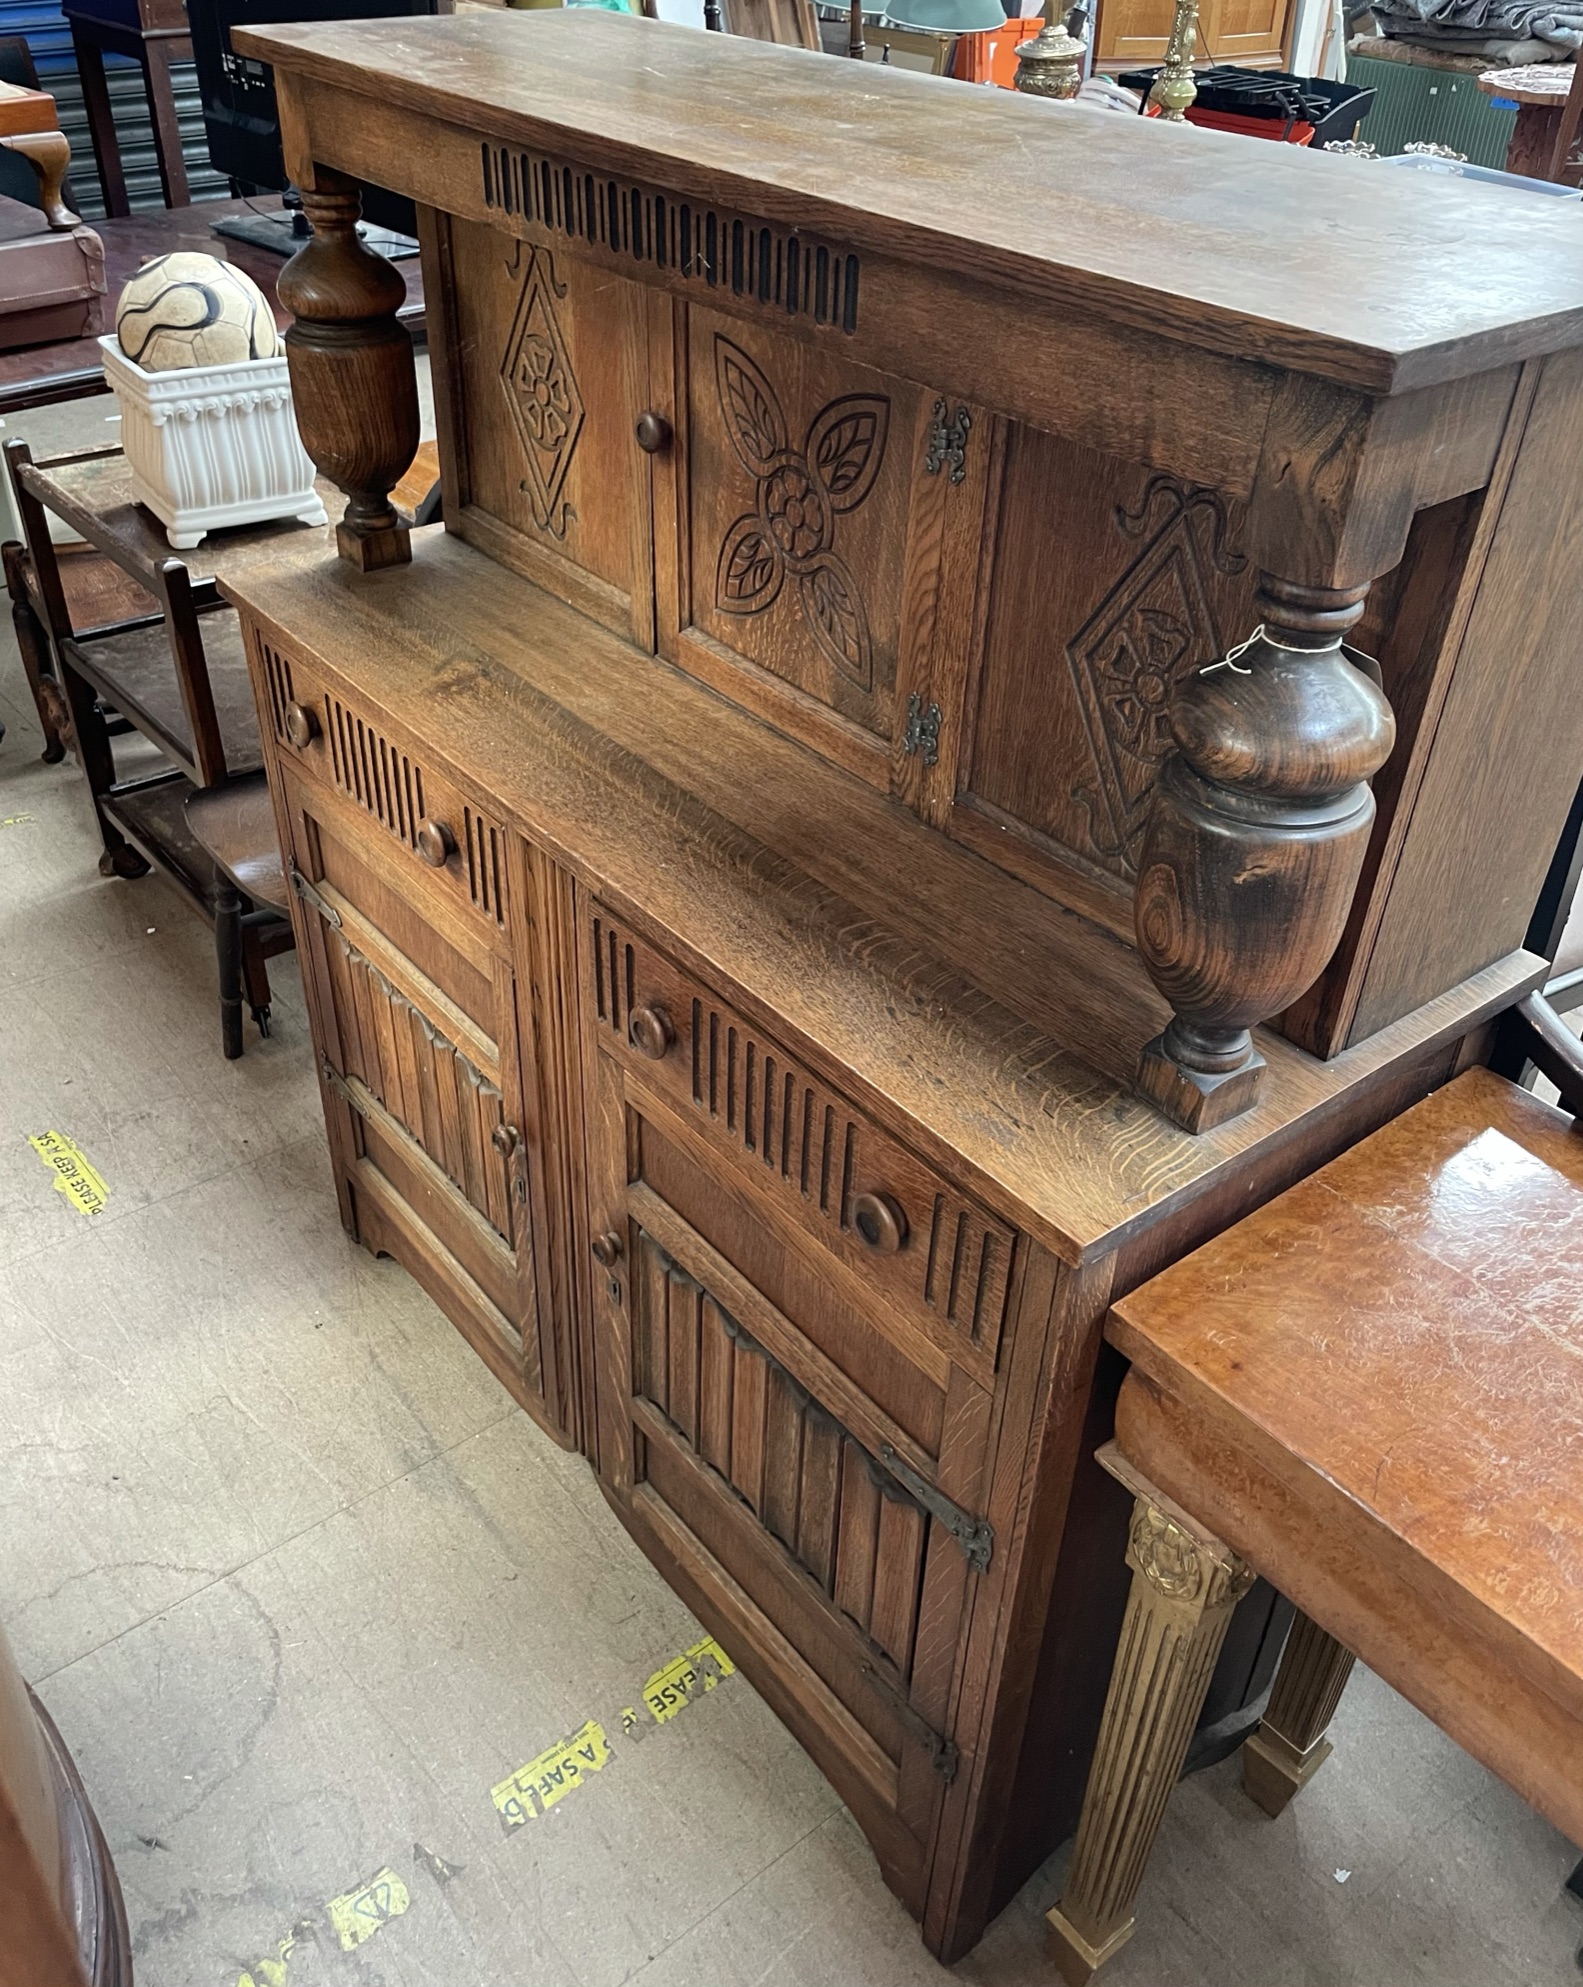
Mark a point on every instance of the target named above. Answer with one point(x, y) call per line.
point(783, 565)
point(807, 1482)
point(1067, 716)
point(540, 379)
point(1133, 31)
point(431, 1103)
point(1240, 30)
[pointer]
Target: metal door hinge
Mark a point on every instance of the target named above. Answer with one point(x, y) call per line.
point(923, 730)
point(309, 895)
point(976, 1536)
point(943, 1754)
point(947, 447)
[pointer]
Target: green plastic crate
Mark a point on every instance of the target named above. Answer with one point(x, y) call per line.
point(1430, 106)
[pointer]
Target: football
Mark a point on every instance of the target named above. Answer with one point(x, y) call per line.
point(190, 309)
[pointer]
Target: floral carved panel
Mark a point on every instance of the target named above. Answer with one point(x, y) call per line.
point(788, 538)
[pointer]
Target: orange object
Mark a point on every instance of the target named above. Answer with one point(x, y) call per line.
point(1298, 133)
point(992, 57)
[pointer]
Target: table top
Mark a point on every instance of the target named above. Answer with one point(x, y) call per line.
point(25, 111)
point(1406, 1325)
point(1268, 252)
point(1544, 85)
point(69, 369)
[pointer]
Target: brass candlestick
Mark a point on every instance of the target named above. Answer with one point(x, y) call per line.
point(1174, 88)
point(1051, 65)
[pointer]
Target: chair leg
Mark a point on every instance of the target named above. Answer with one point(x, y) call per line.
point(33, 648)
point(1185, 1585)
point(228, 957)
point(1290, 1745)
point(255, 974)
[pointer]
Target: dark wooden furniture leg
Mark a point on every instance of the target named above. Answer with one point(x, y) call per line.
point(92, 739)
point(228, 958)
point(167, 132)
point(33, 647)
point(1290, 1745)
point(255, 970)
point(101, 122)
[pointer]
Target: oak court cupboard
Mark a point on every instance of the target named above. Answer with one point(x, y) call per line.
point(797, 913)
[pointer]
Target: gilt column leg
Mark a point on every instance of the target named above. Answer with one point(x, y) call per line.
point(1290, 1745)
point(1185, 1584)
point(353, 382)
point(1257, 831)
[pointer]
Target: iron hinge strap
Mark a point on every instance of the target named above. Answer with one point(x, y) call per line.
point(946, 447)
point(943, 1754)
point(976, 1536)
point(309, 895)
point(923, 730)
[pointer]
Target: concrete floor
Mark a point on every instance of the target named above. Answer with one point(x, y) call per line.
point(302, 1588)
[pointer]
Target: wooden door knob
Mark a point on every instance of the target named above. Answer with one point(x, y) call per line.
point(650, 1032)
point(880, 1222)
point(654, 433)
point(505, 1139)
point(302, 727)
point(607, 1248)
point(436, 844)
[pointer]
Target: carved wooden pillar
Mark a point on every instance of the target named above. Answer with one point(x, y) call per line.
point(1290, 1745)
point(352, 375)
point(1185, 1584)
point(1256, 835)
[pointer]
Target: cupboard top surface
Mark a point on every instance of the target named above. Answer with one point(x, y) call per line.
point(1378, 279)
point(997, 1030)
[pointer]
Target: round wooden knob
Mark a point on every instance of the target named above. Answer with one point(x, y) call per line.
point(651, 1033)
point(654, 433)
point(505, 1139)
point(436, 844)
point(880, 1223)
point(607, 1249)
point(302, 727)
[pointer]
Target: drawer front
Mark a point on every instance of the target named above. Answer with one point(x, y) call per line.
point(452, 850)
point(431, 1107)
point(902, 1231)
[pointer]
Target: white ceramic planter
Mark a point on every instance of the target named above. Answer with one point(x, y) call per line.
point(213, 445)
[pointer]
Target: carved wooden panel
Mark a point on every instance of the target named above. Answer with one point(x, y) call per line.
point(1108, 584)
point(542, 374)
point(449, 1105)
point(849, 1526)
point(802, 1141)
point(798, 471)
point(701, 243)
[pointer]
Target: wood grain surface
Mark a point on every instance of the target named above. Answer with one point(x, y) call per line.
point(831, 907)
point(1370, 1389)
point(1145, 224)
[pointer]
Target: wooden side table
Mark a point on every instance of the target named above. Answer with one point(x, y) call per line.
point(154, 33)
point(30, 126)
point(1540, 92)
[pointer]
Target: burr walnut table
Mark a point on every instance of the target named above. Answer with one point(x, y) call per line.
point(801, 906)
point(1372, 1392)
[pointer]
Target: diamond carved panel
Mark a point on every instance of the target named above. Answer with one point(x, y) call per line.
point(542, 393)
point(1156, 623)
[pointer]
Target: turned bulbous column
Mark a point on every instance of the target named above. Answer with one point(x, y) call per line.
point(353, 381)
point(1256, 835)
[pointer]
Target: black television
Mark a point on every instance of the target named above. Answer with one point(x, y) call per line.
point(243, 125)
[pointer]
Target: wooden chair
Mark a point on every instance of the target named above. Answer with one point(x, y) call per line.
point(1562, 165)
point(792, 23)
point(171, 667)
point(1371, 1393)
